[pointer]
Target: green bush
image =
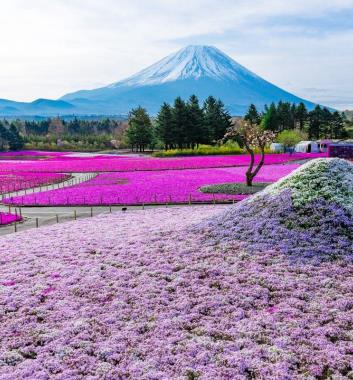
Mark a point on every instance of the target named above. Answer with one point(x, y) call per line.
point(289, 138)
point(202, 150)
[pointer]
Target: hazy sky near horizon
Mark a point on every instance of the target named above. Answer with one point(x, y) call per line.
point(49, 48)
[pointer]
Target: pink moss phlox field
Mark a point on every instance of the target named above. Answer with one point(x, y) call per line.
point(167, 186)
point(32, 153)
point(68, 163)
point(24, 180)
point(7, 218)
point(136, 296)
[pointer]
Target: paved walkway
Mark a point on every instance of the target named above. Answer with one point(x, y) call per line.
point(74, 179)
point(43, 216)
point(33, 216)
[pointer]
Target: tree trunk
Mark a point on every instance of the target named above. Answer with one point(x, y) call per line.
point(260, 164)
point(249, 174)
point(249, 179)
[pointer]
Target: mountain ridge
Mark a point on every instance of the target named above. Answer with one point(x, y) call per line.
point(195, 69)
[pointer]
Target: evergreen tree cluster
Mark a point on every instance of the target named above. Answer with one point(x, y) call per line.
point(10, 137)
point(320, 123)
point(186, 124)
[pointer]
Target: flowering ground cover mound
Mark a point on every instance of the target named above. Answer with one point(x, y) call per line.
point(7, 218)
point(143, 297)
point(166, 186)
point(68, 163)
point(10, 182)
point(308, 214)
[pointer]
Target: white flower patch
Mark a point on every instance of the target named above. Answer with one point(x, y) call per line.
point(327, 178)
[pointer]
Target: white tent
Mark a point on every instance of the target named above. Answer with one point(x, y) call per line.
point(276, 147)
point(307, 147)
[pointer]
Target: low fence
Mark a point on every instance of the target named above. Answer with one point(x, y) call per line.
point(11, 191)
point(36, 222)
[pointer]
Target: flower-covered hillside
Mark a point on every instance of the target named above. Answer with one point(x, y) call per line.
point(136, 295)
point(309, 213)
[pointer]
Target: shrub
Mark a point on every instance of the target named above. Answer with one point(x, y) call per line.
point(289, 138)
point(202, 150)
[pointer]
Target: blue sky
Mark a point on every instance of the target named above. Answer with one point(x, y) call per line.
point(49, 48)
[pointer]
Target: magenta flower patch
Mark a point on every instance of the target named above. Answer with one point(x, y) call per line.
point(65, 163)
point(138, 187)
point(7, 218)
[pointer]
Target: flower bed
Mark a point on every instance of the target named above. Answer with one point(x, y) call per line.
point(139, 295)
point(7, 218)
point(69, 164)
point(169, 186)
point(30, 155)
point(10, 182)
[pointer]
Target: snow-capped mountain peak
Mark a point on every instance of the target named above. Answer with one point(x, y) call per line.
point(199, 70)
point(193, 61)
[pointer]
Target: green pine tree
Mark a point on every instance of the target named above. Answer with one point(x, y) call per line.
point(180, 122)
point(3, 137)
point(315, 123)
point(139, 134)
point(14, 138)
point(165, 127)
point(270, 119)
point(337, 126)
point(196, 132)
point(301, 115)
point(217, 119)
point(252, 116)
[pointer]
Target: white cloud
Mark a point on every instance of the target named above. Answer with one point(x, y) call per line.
point(52, 47)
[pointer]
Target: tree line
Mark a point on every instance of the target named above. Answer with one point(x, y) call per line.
point(74, 127)
point(185, 124)
point(10, 137)
point(320, 123)
point(61, 134)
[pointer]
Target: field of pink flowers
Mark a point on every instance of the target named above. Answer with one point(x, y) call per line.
point(167, 186)
point(31, 155)
point(7, 218)
point(10, 182)
point(63, 163)
point(140, 297)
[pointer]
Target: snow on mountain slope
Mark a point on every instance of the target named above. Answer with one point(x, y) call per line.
point(199, 70)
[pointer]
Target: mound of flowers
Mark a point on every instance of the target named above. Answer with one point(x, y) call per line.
point(7, 218)
point(142, 297)
point(309, 213)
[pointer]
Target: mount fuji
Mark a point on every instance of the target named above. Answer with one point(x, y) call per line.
point(199, 70)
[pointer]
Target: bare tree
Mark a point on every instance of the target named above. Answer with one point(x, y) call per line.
point(252, 136)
